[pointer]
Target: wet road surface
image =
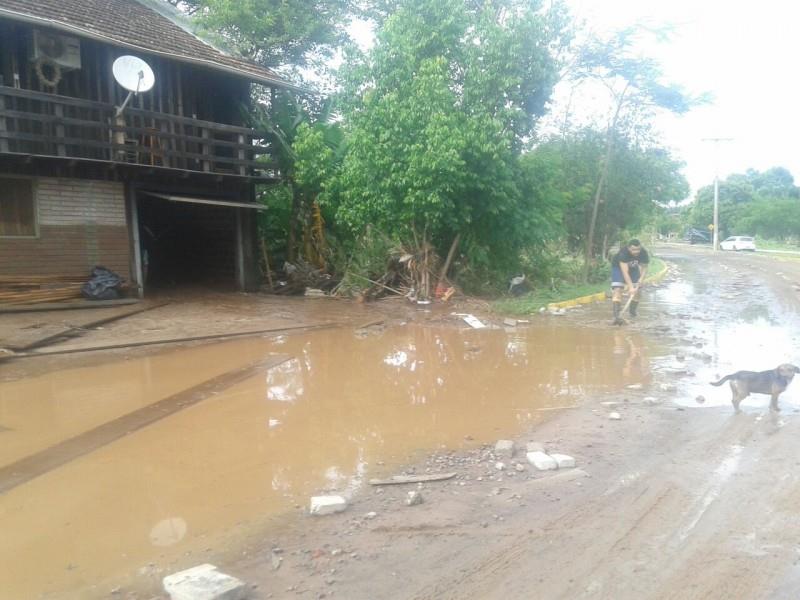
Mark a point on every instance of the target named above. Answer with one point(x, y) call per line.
point(131, 465)
point(682, 499)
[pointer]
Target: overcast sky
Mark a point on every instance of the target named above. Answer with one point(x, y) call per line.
point(745, 55)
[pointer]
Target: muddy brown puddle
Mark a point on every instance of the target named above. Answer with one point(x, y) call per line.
point(128, 498)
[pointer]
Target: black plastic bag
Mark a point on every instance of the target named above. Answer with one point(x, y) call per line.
point(103, 285)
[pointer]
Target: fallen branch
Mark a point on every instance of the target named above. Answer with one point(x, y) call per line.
point(398, 479)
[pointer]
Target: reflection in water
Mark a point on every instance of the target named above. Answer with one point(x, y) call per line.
point(752, 313)
point(285, 382)
point(629, 358)
point(168, 532)
point(249, 453)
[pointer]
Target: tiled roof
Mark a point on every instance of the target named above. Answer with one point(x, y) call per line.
point(144, 25)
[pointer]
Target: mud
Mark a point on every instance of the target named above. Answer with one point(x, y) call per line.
point(675, 500)
point(91, 497)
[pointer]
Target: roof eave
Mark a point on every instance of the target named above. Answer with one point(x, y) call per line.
point(269, 81)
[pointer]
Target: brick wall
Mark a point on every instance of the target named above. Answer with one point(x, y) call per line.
point(81, 224)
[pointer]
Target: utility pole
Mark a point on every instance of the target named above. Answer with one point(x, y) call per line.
point(715, 233)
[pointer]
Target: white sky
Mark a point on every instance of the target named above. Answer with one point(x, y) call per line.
point(744, 53)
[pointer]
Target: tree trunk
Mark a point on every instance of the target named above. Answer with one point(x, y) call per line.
point(449, 260)
point(294, 217)
point(598, 193)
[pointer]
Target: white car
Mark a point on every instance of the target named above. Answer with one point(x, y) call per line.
point(739, 242)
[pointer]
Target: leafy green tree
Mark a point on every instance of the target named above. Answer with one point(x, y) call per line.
point(641, 178)
point(637, 92)
point(307, 147)
point(275, 33)
point(741, 197)
point(436, 115)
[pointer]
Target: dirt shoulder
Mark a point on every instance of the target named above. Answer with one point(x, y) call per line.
point(197, 314)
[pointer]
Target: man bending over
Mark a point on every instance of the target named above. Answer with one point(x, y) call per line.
point(628, 268)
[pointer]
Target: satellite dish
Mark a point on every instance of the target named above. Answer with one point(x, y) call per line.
point(132, 73)
point(135, 75)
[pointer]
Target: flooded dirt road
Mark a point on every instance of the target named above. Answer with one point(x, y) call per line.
point(89, 494)
point(678, 499)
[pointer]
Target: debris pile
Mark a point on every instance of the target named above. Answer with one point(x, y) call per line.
point(300, 277)
point(410, 273)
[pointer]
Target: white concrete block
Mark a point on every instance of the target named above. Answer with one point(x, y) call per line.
point(204, 582)
point(542, 461)
point(535, 447)
point(327, 505)
point(563, 461)
point(414, 497)
point(614, 416)
point(504, 449)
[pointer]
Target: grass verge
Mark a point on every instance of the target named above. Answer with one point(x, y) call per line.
point(532, 302)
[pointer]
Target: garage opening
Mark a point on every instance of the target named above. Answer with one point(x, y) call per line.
point(187, 241)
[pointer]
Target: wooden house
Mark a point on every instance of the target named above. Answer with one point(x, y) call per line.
point(164, 192)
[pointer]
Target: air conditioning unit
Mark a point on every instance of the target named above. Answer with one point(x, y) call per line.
point(63, 50)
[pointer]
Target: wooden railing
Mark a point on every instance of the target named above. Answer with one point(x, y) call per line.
point(38, 124)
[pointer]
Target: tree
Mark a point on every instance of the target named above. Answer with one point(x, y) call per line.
point(275, 33)
point(641, 177)
point(436, 116)
point(741, 197)
point(635, 87)
point(307, 145)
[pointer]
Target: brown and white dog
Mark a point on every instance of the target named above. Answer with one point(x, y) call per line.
point(773, 382)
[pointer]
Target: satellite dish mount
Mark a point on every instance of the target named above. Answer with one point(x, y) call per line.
point(133, 74)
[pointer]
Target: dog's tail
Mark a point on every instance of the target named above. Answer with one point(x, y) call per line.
point(721, 381)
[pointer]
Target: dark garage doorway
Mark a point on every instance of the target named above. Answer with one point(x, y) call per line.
point(185, 243)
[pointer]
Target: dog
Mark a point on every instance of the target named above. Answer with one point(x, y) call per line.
point(773, 382)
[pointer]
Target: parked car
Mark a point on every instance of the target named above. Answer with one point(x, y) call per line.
point(739, 242)
point(697, 236)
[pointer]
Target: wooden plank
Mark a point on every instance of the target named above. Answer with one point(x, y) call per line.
point(197, 338)
point(61, 149)
point(44, 307)
point(399, 479)
point(44, 461)
point(262, 166)
point(74, 332)
point(81, 103)
point(66, 100)
point(3, 127)
point(69, 141)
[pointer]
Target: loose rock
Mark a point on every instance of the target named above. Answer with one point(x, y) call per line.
point(327, 505)
point(204, 582)
point(414, 498)
point(504, 449)
point(563, 461)
point(542, 461)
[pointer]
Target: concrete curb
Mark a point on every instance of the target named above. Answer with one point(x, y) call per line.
point(600, 296)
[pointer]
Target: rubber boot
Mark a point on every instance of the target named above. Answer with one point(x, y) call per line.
point(617, 309)
point(633, 307)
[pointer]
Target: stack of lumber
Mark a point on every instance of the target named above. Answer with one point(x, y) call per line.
point(32, 289)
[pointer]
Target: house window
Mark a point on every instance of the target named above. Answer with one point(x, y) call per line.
point(17, 208)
